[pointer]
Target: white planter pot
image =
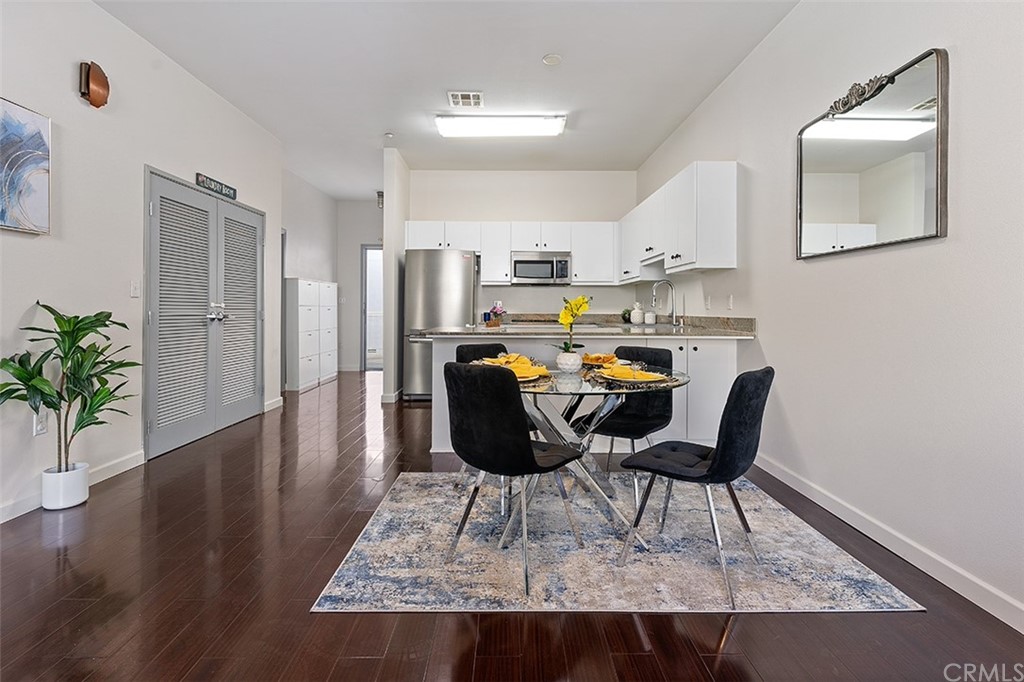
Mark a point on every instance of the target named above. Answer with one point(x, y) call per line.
point(569, 362)
point(67, 488)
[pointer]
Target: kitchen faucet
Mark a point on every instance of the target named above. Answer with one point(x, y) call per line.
point(672, 290)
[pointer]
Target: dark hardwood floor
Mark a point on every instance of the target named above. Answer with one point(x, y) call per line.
point(204, 563)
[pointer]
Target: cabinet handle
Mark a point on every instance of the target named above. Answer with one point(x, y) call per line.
point(440, 244)
point(545, 245)
point(625, 272)
point(833, 246)
point(695, 348)
point(448, 244)
point(842, 246)
point(536, 244)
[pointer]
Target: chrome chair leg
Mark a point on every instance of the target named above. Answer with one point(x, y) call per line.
point(526, 559)
point(611, 449)
point(636, 478)
point(465, 517)
point(664, 507)
point(568, 509)
point(501, 486)
point(462, 476)
point(718, 542)
point(511, 525)
point(743, 520)
point(628, 544)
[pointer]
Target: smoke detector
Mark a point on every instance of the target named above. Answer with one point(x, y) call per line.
point(462, 99)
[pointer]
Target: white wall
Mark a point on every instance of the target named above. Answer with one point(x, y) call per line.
point(396, 212)
point(311, 219)
point(159, 115)
point(528, 195)
point(892, 197)
point(831, 198)
point(359, 222)
point(897, 402)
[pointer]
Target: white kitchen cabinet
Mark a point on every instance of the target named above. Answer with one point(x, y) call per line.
point(700, 217)
point(594, 253)
point(462, 235)
point(711, 364)
point(310, 333)
point(424, 234)
point(440, 234)
point(631, 246)
point(495, 252)
point(556, 236)
point(653, 226)
point(828, 237)
point(525, 236)
point(676, 430)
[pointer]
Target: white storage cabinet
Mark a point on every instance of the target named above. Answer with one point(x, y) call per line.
point(311, 332)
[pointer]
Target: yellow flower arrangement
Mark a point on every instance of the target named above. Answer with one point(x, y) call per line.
point(571, 311)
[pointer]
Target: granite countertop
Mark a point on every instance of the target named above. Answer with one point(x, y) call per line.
point(605, 325)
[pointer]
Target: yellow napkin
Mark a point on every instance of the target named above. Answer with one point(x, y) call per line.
point(605, 359)
point(627, 373)
point(524, 372)
point(509, 360)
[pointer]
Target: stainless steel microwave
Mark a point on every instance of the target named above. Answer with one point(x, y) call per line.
point(539, 267)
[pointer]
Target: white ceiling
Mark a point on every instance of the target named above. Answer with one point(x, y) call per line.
point(330, 78)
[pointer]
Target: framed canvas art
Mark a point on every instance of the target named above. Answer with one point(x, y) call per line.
point(24, 169)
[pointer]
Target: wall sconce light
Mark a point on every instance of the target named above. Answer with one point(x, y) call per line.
point(380, 199)
point(93, 84)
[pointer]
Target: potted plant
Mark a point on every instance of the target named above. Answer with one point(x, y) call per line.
point(569, 360)
point(82, 391)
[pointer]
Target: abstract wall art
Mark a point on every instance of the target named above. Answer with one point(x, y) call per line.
point(24, 169)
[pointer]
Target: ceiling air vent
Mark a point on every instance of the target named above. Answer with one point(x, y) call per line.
point(927, 105)
point(465, 99)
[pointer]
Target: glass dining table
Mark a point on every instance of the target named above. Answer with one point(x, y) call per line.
point(559, 424)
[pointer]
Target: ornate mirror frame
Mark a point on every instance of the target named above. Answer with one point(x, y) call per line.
point(858, 95)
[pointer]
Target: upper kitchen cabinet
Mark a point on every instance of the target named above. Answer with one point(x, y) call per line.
point(541, 236)
point(631, 247)
point(424, 234)
point(653, 226)
point(594, 251)
point(495, 252)
point(439, 234)
point(700, 217)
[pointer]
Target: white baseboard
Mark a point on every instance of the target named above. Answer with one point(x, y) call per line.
point(100, 473)
point(1001, 605)
point(386, 398)
point(273, 404)
point(118, 466)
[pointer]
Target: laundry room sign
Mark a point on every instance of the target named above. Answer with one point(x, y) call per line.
point(206, 182)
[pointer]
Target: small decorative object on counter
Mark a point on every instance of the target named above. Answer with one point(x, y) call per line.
point(569, 360)
point(650, 317)
point(636, 316)
point(492, 318)
point(625, 315)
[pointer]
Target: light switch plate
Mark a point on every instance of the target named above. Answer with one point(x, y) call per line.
point(40, 423)
point(134, 289)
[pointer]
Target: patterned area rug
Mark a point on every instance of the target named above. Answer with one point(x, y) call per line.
point(397, 564)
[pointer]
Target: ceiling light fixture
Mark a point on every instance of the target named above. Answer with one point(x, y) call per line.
point(889, 130)
point(500, 126)
point(552, 59)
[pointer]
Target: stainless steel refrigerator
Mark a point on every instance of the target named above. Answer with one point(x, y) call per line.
point(440, 291)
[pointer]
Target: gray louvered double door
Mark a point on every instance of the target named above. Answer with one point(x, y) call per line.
point(204, 340)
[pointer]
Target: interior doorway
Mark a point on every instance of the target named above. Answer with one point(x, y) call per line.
point(372, 307)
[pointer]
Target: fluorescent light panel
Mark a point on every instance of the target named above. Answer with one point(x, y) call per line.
point(500, 126)
point(867, 129)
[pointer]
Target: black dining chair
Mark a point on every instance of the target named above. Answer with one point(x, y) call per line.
point(639, 415)
point(490, 432)
point(739, 433)
point(468, 352)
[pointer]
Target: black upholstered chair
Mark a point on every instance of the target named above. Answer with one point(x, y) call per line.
point(468, 352)
point(639, 415)
point(738, 436)
point(491, 432)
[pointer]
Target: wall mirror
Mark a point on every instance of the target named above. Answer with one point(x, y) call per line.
point(871, 171)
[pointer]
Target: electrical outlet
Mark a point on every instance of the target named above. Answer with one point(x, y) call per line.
point(707, 302)
point(40, 423)
point(730, 301)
